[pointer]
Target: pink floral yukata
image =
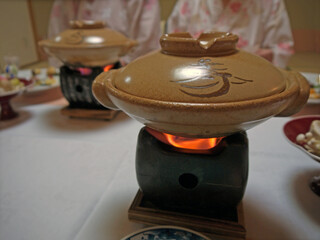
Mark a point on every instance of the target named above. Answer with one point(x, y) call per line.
point(137, 19)
point(260, 24)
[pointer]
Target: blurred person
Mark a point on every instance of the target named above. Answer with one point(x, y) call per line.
point(263, 26)
point(136, 19)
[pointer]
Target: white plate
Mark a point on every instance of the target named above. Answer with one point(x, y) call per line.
point(27, 74)
point(166, 232)
point(312, 78)
point(40, 88)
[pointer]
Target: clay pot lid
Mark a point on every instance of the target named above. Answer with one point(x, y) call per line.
point(209, 69)
point(87, 34)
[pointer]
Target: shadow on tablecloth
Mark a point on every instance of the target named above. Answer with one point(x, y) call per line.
point(307, 200)
point(23, 116)
point(70, 124)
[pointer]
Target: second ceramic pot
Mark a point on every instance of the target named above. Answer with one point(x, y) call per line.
point(89, 44)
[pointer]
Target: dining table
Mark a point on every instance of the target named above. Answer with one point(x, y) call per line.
point(73, 178)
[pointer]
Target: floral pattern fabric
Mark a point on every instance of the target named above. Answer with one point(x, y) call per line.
point(260, 24)
point(137, 19)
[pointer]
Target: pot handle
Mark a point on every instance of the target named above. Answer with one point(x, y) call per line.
point(302, 96)
point(100, 91)
point(128, 46)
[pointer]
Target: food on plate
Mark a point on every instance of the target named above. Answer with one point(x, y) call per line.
point(47, 80)
point(51, 71)
point(36, 71)
point(311, 139)
point(7, 85)
point(50, 81)
point(313, 93)
point(315, 89)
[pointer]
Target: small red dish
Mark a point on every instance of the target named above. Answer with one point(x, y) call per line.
point(300, 125)
point(6, 110)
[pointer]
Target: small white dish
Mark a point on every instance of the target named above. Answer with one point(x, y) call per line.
point(40, 88)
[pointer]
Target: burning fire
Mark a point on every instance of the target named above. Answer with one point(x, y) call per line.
point(185, 143)
point(87, 71)
point(108, 67)
point(84, 71)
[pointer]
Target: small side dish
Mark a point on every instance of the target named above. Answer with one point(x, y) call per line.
point(48, 80)
point(9, 85)
point(311, 139)
point(9, 88)
point(303, 133)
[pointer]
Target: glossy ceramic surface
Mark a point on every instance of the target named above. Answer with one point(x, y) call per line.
point(88, 43)
point(215, 91)
point(166, 232)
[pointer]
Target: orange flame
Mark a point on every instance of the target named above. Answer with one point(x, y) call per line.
point(87, 71)
point(185, 143)
point(84, 71)
point(108, 67)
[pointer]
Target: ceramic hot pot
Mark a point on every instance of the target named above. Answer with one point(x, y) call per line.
point(203, 87)
point(88, 43)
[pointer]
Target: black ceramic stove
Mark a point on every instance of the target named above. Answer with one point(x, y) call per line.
point(76, 85)
point(204, 186)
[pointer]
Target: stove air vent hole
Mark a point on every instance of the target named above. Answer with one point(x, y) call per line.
point(188, 180)
point(79, 88)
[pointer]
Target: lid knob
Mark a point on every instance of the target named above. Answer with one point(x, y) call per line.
point(86, 24)
point(208, 44)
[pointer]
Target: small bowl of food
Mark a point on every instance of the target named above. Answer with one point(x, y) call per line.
point(9, 88)
point(304, 133)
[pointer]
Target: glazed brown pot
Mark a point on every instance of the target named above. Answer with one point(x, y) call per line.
point(201, 87)
point(88, 43)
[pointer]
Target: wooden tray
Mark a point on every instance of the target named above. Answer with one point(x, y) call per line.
point(140, 212)
point(98, 114)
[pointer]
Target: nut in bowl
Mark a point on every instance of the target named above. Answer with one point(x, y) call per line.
point(201, 87)
point(304, 133)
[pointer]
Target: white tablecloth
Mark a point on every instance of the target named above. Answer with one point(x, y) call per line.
point(63, 178)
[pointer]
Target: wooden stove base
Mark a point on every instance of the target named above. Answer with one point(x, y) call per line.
point(97, 114)
point(211, 227)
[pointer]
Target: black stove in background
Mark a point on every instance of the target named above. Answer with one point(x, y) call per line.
point(76, 85)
